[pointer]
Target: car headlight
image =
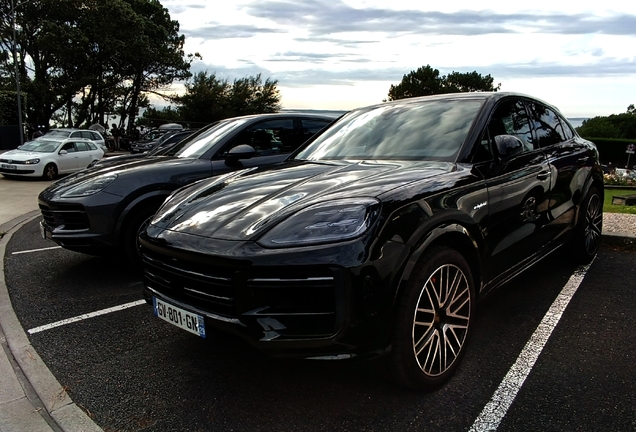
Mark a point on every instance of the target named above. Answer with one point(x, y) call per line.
point(90, 187)
point(326, 222)
point(32, 162)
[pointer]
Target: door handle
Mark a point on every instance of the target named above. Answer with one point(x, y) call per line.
point(543, 175)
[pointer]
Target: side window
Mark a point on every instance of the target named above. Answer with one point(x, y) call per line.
point(511, 118)
point(81, 146)
point(267, 137)
point(91, 146)
point(567, 130)
point(310, 127)
point(76, 135)
point(546, 125)
point(69, 147)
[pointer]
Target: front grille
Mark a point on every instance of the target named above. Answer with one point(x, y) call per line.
point(13, 162)
point(208, 288)
point(66, 216)
point(295, 302)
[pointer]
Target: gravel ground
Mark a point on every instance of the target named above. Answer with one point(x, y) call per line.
point(619, 223)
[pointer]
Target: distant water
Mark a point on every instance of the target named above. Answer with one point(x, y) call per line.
point(577, 121)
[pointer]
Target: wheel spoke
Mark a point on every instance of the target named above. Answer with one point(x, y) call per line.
point(441, 320)
point(593, 224)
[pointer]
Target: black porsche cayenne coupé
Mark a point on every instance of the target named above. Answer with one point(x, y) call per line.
point(380, 234)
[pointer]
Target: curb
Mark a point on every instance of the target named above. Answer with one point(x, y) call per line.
point(65, 414)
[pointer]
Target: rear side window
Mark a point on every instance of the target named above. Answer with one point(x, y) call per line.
point(81, 146)
point(547, 125)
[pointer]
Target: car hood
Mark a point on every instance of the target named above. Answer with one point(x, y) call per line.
point(243, 204)
point(21, 155)
point(129, 170)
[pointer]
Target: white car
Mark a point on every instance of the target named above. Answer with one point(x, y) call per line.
point(48, 157)
point(93, 135)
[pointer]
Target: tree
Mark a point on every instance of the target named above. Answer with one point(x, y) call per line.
point(620, 126)
point(92, 57)
point(427, 81)
point(208, 98)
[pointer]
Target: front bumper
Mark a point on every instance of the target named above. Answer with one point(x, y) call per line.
point(289, 305)
point(87, 227)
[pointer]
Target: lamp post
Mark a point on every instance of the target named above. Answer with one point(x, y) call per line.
point(17, 72)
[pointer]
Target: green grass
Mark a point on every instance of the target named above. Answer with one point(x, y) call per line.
point(609, 208)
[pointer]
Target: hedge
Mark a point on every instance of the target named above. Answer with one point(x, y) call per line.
point(614, 150)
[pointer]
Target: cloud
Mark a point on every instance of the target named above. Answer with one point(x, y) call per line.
point(218, 31)
point(326, 18)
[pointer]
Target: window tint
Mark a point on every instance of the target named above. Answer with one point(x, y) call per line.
point(267, 137)
point(313, 126)
point(69, 147)
point(511, 118)
point(81, 146)
point(546, 124)
point(76, 135)
point(91, 146)
point(567, 130)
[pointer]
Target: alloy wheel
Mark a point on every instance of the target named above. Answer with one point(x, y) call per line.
point(441, 320)
point(593, 224)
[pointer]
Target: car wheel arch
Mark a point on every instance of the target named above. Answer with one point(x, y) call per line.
point(453, 235)
point(594, 181)
point(140, 203)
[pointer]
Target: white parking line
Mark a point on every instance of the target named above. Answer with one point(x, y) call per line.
point(85, 316)
point(496, 409)
point(36, 250)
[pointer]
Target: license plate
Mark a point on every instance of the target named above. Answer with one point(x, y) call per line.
point(43, 231)
point(181, 318)
point(9, 167)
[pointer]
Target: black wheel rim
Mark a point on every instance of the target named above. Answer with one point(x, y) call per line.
point(441, 320)
point(593, 224)
point(51, 172)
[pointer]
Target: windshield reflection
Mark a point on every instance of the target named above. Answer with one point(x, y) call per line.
point(41, 146)
point(200, 142)
point(426, 130)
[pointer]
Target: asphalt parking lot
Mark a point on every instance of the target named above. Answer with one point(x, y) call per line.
point(130, 371)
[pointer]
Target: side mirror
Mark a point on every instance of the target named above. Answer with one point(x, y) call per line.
point(242, 151)
point(63, 152)
point(508, 146)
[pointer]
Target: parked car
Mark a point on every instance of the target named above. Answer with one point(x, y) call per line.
point(172, 136)
point(49, 156)
point(92, 135)
point(100, 210)
point(625, 173)
point(379, 235)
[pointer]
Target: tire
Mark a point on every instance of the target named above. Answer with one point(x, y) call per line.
point(50, 172)
point(433, 320)
point(129, 242)
point(589, 227)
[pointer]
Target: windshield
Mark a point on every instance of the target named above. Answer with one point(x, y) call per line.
point(41, 146)
point(58, 133)
point(427, 130)
point(198, 143)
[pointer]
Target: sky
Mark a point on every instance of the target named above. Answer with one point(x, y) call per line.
point(341, 54)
